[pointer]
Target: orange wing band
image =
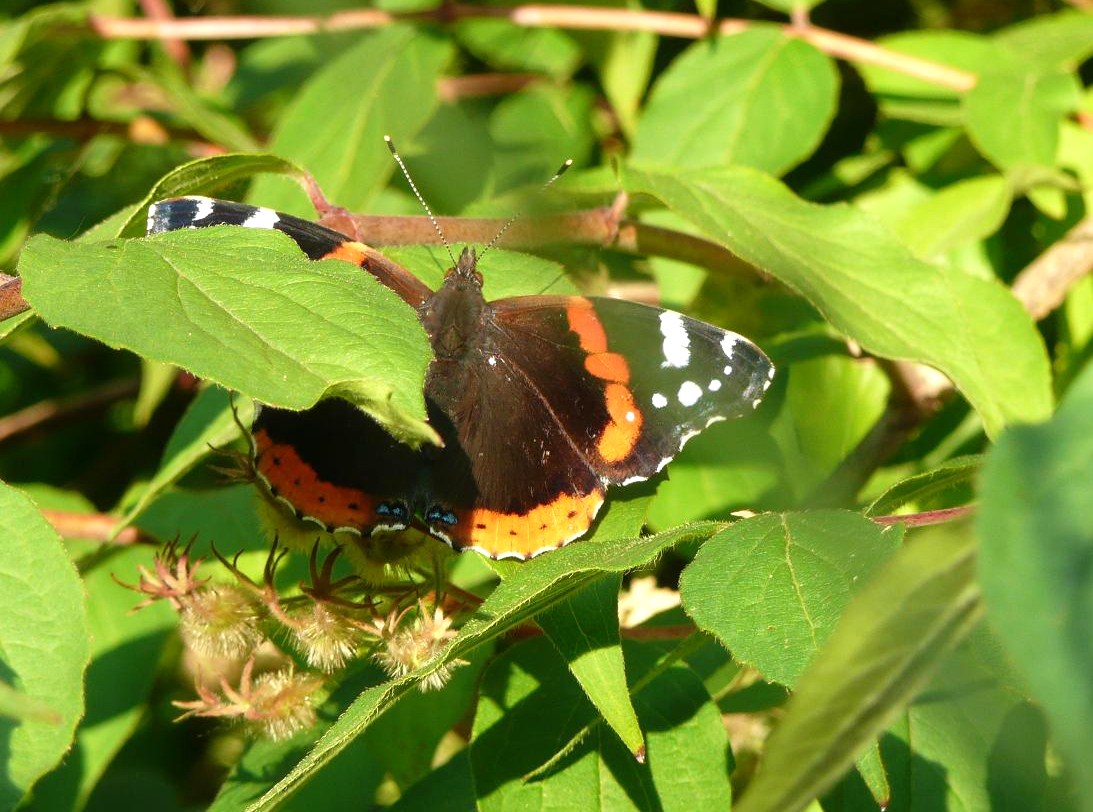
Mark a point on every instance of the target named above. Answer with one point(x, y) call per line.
point(525, 535)
point(291, 479)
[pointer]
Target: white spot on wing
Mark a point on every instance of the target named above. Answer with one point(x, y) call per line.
point(492, 360)
point(677, 344)
point(728, 343)
point(714, 385)
point(204, 207)
point(631, 417)
point(689, 393)
point(659, 401)
point(727, 370)
point(262, 218)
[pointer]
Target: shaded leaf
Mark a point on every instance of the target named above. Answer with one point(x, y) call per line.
point(44, 647)
point(393, 75)
point(927, 486)
point(1036, 531)
point(518, 726)
point(920, 604)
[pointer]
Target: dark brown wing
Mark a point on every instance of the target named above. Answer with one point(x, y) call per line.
point(629, 383)
point(509, 481)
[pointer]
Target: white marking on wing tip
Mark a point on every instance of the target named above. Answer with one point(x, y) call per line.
point(755, 403)
point(492, 360)
point(686, 436)
point(662, 463)
point(714, 385)
point(728, 343)
point(443, 537)
point(677, 344)
point(689, 393)
point(631, 417)
point(204, 207)
point(770, 374)
point(502, 556)
point(631, 480)
point(717, 418)
point(386, 528)
point(262, 218)
point(659, 401)
point(766, 385)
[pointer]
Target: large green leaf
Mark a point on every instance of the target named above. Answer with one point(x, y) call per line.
point(1036, 531)
point(386, 85)
point(869, 286)
point(126, 647)
point(528, 710)
point(758, 98)
point(232, 306)
point(1046, 41)
point(920, 604)
point(771, 588)
point(44, 647)
point(537, 585)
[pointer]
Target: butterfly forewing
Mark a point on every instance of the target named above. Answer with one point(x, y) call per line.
point(629, 382)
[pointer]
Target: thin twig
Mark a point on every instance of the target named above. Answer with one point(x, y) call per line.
point(1043, 284)
point(95, 526)
point(928, 517)
point(50, 412)
point(580, 18)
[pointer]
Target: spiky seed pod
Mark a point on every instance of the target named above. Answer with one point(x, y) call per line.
point(326, 636)
point(221, 620)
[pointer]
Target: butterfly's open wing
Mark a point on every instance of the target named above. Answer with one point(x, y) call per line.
point(628, 382)
point(317, 241)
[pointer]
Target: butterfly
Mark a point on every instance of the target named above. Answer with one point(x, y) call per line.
point(542, 403)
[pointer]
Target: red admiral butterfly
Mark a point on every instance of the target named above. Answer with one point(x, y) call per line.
point(542, 402)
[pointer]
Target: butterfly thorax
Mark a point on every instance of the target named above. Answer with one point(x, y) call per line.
point(455, 315)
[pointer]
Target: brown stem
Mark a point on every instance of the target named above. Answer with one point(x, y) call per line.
point(583, 18)
point(680, 632)
point(928, 517)
point(96, 526)
point(1043, 284)
point(177, 49)
point(50, 412)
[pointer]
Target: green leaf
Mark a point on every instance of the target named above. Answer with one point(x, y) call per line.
point(44, 646)
point(126, 648)
point(902, 96)
point(758, 98)
point(228, 304)
point(870, 287)
point(448, 788)
point(1036, 531)
point(1047, 41)
point(337, 137)
point(771, 588)
point(9, 326)
point(537, 585)
point(958, 214)
point(920, 604)
point(207, 424)
point(927, 486)
point(508, 46)
point(1013, 116)
point(23, 708)
point(585, 630)
point(518, 726)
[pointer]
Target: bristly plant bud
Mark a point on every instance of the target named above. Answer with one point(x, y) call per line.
point(407, 649)
point(221, 620)
point(326, 636)
point(173, 577)
point(277, 704)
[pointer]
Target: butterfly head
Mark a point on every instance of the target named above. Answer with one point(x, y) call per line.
point(465, 271)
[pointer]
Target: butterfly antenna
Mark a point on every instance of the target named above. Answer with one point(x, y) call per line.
point(561, 171)
point(420, 199)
